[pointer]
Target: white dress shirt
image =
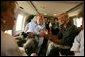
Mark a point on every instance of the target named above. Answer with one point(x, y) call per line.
point(78, 44)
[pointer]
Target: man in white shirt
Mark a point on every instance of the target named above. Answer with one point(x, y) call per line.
point(78, 45)
point(36, 24)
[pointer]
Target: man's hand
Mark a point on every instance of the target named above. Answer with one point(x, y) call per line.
point(51, 37)
point(43, 32)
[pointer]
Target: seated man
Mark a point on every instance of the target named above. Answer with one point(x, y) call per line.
point(9, 46)
point(65, 37)
point(34, 28)
point(78, 45)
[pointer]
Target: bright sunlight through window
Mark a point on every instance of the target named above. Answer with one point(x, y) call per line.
point(79, 22)
point(19, 22)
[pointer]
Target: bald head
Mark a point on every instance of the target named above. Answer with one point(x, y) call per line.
point(63, 18)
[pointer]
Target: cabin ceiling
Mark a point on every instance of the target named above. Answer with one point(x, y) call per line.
point(48, 7)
